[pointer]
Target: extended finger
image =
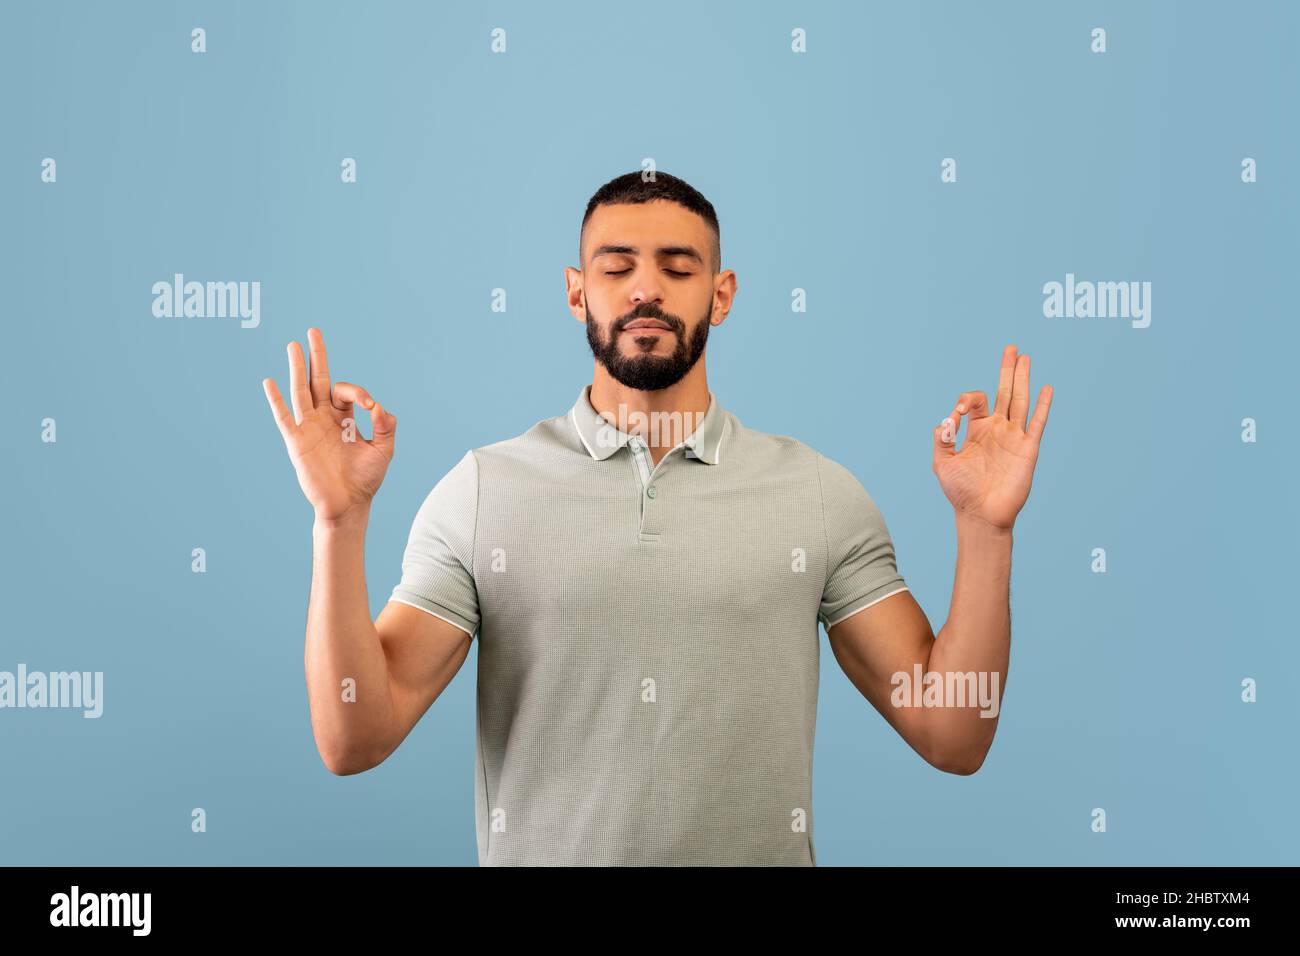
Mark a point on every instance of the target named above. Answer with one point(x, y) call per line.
point(320, 369)
point(1001, 408)
point(1039, 421)
point(299, 393)
point(1020, 392)
point(283, 417)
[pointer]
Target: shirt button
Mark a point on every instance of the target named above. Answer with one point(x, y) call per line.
point(650, 492)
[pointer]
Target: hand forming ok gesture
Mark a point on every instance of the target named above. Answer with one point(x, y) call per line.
point(338, 469)
point(990, 477)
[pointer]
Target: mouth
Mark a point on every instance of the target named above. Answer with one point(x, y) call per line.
point(653, 325)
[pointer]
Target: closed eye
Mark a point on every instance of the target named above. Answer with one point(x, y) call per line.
point(626, 271)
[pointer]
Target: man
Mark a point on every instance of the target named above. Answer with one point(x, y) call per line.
point(645, 575)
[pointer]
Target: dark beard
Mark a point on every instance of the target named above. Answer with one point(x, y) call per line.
point(648, 373)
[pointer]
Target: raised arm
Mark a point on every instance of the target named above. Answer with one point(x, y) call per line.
point(885, 647)
point(368, 683)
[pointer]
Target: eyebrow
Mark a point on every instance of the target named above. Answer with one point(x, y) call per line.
point(663, 252)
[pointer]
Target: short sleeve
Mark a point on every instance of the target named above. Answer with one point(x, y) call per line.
point(438, 565)
point(860, 563)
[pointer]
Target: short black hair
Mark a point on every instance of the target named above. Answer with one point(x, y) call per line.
point(634, 188)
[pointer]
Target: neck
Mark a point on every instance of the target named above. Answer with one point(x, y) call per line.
point(676, 411)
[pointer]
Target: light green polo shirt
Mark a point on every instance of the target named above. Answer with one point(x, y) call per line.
point(648, 647)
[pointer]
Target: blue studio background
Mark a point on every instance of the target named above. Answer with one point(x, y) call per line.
point(473, 170)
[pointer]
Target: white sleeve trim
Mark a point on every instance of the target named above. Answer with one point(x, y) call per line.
point(438, 616)
point(830, 624)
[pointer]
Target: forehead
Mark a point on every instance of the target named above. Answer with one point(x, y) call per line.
point(646, 226)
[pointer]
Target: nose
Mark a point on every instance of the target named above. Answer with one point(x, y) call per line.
point(647, 290)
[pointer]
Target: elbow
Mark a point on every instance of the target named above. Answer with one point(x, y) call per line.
point(347, 763)
point(343, 751)
point(962, 764)
point(342, 768)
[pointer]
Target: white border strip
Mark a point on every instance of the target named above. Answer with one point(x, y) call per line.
point(865, 606)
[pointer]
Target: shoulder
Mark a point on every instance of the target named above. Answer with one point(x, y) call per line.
point(770, 450)
point(544, 442)
point(766, 450)
point(836, 484)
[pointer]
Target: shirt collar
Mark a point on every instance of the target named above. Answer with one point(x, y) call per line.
point(602, 438)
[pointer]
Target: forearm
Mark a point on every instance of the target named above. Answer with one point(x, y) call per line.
point(351, 724)
point(976, 639)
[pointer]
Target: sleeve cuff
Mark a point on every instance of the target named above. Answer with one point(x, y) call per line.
point(402, 596)
point(861, 603)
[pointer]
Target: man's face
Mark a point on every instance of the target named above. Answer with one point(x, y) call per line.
point(649, 284)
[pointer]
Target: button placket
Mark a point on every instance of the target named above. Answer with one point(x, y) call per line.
point(640, 455)
point(645, 471)
point(642, 474)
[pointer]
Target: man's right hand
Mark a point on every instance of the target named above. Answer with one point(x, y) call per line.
point(339, 476)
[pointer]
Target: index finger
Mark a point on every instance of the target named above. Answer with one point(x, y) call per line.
point(347, 393)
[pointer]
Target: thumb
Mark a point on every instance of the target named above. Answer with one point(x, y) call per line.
point(384, 427)
point(945, 437)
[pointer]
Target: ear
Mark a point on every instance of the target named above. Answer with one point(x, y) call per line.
point(724, 295)
point(575, 293)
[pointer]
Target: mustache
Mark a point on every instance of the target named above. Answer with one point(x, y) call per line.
point(648, 310)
